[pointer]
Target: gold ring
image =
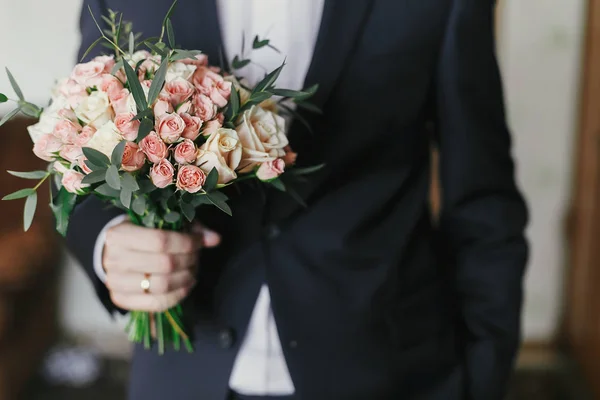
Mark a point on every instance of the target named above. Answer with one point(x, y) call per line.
point(145, 284)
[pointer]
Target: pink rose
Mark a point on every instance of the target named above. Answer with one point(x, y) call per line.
point(69, 114)
point(205, 108)
point(72, 181)
point(46, 147)
point(178, 91)
point(67, 131)
point(184, 108)
point(71, 152)
point(111, 85)
point(74, 92)
point(190, 178)
point(162, 174)
point(133, 157)
point(88, 74)
point(270, 170)
point(290, 157)
point(162, 107)
point(81, 162)
point(201, 60)
point(170, 127)
point(185, 152)
point(59, 167)
point(85, 135)
point(127, 127)
point(211, 127)
point(192, 126)
point(212, 85)
point(220, 118)
point(154, 148)
point(123, 102)
point(108, 61)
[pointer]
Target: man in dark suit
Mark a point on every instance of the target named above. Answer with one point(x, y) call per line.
point(372, 300)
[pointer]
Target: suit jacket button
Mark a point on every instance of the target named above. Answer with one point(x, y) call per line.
point(273, 231)
point(293, 344)
point(226, 338)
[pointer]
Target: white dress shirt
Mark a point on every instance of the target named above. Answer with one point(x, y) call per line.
point(292, 27)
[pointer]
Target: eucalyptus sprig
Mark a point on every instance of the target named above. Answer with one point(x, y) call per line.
point(27, 108)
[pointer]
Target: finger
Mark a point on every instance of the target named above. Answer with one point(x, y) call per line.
point(138, 238)
point(125, 260)
point(210, 238)
point(149, 303)
point(130, 283)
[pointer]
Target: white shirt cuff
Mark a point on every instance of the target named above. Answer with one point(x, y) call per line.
point(99, 246)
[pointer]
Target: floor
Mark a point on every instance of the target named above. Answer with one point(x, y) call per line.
point(559, 382)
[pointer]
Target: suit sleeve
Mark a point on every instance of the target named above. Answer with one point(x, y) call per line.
point(91, 216)
point(483, 214)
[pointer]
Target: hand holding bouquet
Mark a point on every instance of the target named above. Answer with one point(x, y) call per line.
point(156, 133)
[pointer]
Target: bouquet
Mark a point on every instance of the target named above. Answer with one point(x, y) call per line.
point(157, 132)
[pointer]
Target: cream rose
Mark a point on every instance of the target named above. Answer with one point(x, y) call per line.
point(106, 138)
point(207, 160)
point(180, 70)
point(263, 138)
point(225, 143)
point(95, 110)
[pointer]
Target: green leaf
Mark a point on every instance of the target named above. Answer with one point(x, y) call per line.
point(189, 211)
point(129, 182)
point(9, 116)
point(118, 65)
point(112, 177)
point(95, 167)
point(277, 184)
point(94, 177)
point(149, 220)
point(307, 170)
point(131, 42)
point(62, 206)
point(257, 44)
point(184, 54)
point(125, 197)
point(3, 98)
point(29, 175)
point(172, 217)
point(14, 85)
point(19, 194)
point(219, 202)
point(269, 80)
point(158, 81)
point(146, 186)
point(29, 109)
point(169, 13)
point(138, 65)
point(117, 154)
point(29, 211)
point(200, 199)
point(211, 180)
point(310, 91)
point(139, 205)
point(146, 113)
point(239, 64)
point(156, 49)
point(234, 105)
point(145, 128)
point(288, 93)
point(297, 116)
point(119, 28)
point(292, 192)
point(257, 98)
point(309, 107)
point(136, 88)
point(91, 48)
point(95, 156)
point(170, 33)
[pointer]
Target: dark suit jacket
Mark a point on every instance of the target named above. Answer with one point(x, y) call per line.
point(371, 300)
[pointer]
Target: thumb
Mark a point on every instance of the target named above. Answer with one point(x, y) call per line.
point(209, 237)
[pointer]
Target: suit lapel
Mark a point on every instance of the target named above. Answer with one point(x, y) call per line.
point(341, 28)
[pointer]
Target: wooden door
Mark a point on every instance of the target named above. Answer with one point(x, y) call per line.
point(582, 312)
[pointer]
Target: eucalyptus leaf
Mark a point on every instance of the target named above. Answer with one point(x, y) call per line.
point(125, 197)
point(294, 194)
point(277, 184)
point(288, 93)
point(118, 65)
point(172, 217)
point(156, 49)
point(131, 43)
point(149, 220)
point(170, 33)
point(29, 175)
point(29, 109)
point(139, 205)
point(29, 211)
point(106, 190)
point(119, 29)
point(297, 116)
point(309, 107)
point(169, 13)
point(95, 156)
point(96, 42)
point(257, 44)
point(307, 170)
point(269, 80)
point(14, 85)
point(117, 154)
point(234, 104)
point(145, 128)
point(129, 182)
point(189, 211)
point(200, 199)
point(95, 167)
point(239, 64)
point(112, 177)
point(9, 116)
point(257, 98)
point(136, 88)
point(146, 113)
point(219, 203)
point(62, 206)
point(94, 177)
point(211, 179)
point(3, 98)
point(158, 81)
point(310, 91)
point(19, 194)
point(184, 54)
point(146, 186)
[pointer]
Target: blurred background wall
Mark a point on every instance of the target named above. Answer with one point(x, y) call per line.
point(539, 47)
